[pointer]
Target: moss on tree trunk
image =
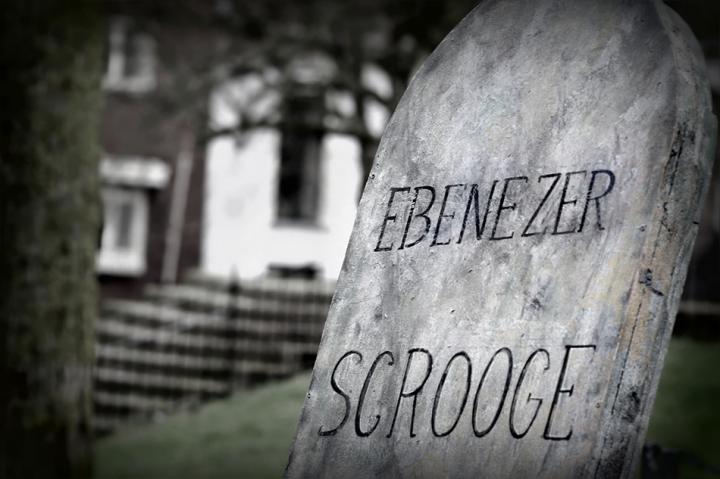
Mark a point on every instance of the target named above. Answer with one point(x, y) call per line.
point(50, 60)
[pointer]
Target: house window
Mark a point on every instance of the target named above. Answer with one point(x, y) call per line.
point(127, 183)
point(299, 176)
point(130, 58)
point(124, 236)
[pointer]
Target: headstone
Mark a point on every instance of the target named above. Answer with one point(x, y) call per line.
point(519, 251)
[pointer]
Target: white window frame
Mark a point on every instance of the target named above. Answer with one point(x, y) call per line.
point(128, 179)
point(116, 77)
point(130, 261)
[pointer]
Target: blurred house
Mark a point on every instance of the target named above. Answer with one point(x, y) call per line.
point(152, 173)
point(218, 252)
point(274, 201)
point(281, 201)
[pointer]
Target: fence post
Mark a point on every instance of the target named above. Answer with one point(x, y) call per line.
point(231, 331)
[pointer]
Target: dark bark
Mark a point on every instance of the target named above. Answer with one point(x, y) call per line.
point(50, 60)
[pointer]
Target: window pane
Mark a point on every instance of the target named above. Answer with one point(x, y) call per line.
point(132, 55)
point(124, 231)
point(109, 223)
point(298, 185)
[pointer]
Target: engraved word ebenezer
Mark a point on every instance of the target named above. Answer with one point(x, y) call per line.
point(535, 198)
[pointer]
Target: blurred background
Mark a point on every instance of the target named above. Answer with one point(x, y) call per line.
point(232, 139)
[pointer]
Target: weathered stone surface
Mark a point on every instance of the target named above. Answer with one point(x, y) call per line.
point(524, 338)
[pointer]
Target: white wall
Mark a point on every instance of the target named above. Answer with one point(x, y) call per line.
point(240, 234)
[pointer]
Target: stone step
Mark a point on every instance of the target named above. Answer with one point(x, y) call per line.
point(285, 286)
point(195, 298)
point(134, 402)
point(176, 350)
point(149, 379)
point(154, 315)
point(188, 343)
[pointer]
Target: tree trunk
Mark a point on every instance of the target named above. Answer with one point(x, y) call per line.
point(50, 60)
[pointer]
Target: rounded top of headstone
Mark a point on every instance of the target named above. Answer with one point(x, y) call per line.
point(518, 80)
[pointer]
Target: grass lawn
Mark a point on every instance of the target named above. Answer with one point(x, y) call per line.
point(246, 436)
point(249, 435)
point(687, 409)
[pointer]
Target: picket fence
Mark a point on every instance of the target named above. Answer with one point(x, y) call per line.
point(182, 345)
